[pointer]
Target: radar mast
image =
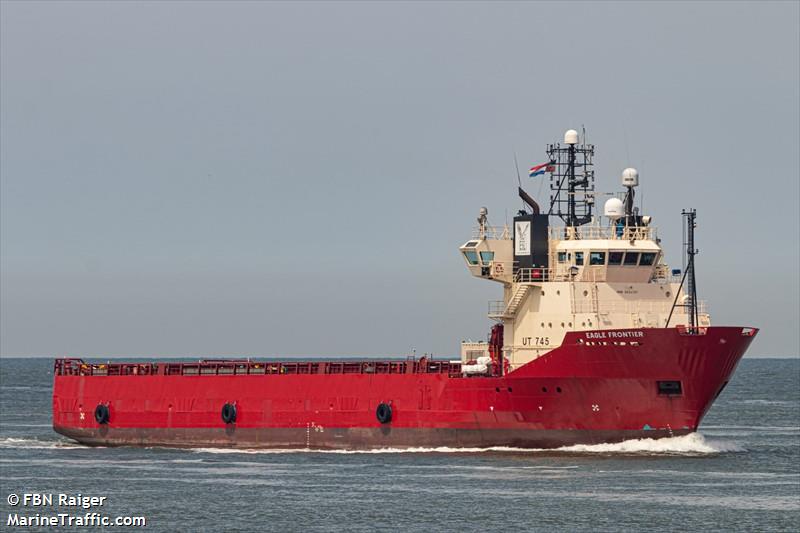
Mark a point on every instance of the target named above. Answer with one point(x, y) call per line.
point(572, 180)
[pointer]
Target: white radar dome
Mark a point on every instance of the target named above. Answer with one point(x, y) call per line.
point(614, 208)
point(630, 177)
point(571, 137)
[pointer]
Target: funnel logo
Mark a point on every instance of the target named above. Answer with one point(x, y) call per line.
point(522, 237)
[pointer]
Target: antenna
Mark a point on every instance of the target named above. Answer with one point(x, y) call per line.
point(630, 179)
point(519, 179)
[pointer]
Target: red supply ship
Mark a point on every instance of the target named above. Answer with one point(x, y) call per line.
point(596, 340)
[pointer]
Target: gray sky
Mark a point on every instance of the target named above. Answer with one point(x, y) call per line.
point(265, 178)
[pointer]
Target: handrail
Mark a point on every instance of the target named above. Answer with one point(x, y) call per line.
point(492, 232)
point(532, 275)
point(627, 233)
point(496, 307)
point(424, 365)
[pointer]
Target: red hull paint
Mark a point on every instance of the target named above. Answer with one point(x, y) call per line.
point(585, 391)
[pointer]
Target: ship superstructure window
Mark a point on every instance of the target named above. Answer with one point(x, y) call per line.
point(562, 257)
point(472, 257)
point(631, 258)
point(487, 257)
point(470, 244)
point(615, 258)
point(648, 258)
point(579, 258)
point(597, 258)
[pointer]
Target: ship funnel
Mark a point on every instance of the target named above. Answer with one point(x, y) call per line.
point(630, 177)
point(614, 208)
point(571, 137)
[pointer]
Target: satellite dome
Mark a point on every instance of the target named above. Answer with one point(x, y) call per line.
point(614, 208)
point(571, 137)
point(630, 177)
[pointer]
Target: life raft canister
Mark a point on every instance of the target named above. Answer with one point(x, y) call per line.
point(229, 413)
point(102, 414)
point(384, 413)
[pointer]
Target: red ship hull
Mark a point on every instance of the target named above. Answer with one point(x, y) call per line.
point(596, 387)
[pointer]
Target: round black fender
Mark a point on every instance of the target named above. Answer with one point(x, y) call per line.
point(384, 413)
point(229, 413)
point(102, 414)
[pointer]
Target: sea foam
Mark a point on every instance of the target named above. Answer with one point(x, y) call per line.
point(692, 444)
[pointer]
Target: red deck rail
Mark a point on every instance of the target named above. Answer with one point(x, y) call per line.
point(78, 367)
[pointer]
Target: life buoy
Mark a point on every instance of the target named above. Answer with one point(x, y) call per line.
point(384, 413)
point(102, 414)
point(229, 413)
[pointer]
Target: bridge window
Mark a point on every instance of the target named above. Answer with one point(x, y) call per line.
point(597, 258)
point(579, 258)
point(487, 257)
point(615, 258)
point(472, 257)
point(648, 258)
point(562, 257)
point(631, 258)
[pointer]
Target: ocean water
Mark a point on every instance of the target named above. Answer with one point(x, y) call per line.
point(741, 472)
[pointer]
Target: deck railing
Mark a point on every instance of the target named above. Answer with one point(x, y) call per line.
point(589, 232)
point(586, 232)
point(492, 232)
point(78, 367)
point(532, 275)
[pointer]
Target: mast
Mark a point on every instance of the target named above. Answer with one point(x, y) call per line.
point(571, 180)
point(690, 302)
point(691, 283)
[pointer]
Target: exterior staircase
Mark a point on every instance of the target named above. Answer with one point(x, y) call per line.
point(513, 304)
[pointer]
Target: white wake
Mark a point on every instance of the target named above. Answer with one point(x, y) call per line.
point(692, 444)
point(37, 444)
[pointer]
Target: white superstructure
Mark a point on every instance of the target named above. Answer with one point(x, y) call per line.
point(609, 273)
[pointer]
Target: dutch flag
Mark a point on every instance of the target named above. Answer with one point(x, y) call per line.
point(538, 170)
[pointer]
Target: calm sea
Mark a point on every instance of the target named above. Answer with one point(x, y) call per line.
point(741, 472)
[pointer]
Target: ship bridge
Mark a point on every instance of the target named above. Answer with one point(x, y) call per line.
point(587, 253)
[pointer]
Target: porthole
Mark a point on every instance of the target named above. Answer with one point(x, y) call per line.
point(510, 389)
point(667, 294)
point(497, 389)
point(558, 390)
point(562, 324)
point(570, 324)
point(544, 389)
point(549, 324)
point(558, 293)
point(590, 323)
point(542, 293)
point(583, 324)
point(586, 293)
point(542, 324)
